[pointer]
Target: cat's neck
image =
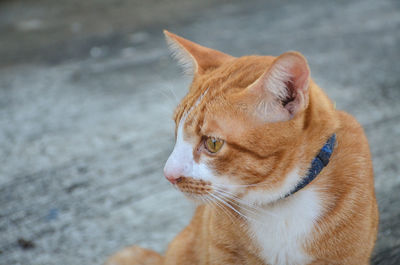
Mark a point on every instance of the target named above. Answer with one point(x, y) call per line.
point(320, 123)
point(319, 118)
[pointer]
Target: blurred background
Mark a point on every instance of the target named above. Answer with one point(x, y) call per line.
point(87, 90)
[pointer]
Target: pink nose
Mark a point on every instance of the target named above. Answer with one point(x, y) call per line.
point(173, 176)
point(173, 179)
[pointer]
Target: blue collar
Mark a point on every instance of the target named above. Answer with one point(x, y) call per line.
point(318, 163)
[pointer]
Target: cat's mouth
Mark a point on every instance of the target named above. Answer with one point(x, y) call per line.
point(191, 186)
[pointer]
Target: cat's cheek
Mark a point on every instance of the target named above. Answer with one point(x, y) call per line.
point(202, 172)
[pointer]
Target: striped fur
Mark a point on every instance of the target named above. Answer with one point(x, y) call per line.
point(273, 120)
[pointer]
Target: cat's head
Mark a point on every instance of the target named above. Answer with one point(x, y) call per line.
point(240, 125)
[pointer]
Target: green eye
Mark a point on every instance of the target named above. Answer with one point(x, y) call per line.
point(213, 144)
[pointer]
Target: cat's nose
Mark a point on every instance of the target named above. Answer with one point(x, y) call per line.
point(173, 170)
point(173, 179)
point(173, 176)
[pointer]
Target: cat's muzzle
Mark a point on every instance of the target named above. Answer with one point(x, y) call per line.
point(193, 186)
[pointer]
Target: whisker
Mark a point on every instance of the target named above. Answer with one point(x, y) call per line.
point(173, 94)
point(171, 100)
point(241, 185)
point(210, 202)
point(229, 214)
point(164, 93)
point(243, 204)
point(204, 199)
point(231, 207)
point(233, 201)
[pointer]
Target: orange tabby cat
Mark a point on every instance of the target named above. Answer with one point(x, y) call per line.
point(284, 177)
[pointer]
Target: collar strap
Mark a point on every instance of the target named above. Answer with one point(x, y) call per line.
point(318, 163)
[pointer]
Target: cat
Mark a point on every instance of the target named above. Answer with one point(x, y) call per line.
point(282, 177)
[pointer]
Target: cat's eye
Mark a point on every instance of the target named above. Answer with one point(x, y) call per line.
point(213, 144)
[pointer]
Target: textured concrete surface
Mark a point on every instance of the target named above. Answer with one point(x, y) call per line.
point(87, 90)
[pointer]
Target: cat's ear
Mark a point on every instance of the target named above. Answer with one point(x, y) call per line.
point(282, 91)
point(194, 58)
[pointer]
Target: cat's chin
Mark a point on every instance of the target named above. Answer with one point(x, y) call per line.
point(196, 199)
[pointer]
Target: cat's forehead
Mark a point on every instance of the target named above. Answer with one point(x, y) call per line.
point(214, 91)
point(212, 106)
point(237, 73)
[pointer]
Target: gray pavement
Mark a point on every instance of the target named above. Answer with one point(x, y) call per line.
point(87, 90)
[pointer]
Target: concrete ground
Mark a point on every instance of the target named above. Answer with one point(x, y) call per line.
point(87, 90)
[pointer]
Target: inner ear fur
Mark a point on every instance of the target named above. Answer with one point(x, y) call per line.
point(194, 58)
point(282, 91)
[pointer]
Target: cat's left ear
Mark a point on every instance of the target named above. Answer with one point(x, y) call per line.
point(194, 58)
point(282, 91)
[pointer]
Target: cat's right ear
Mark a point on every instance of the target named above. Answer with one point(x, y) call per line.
point(194, 58)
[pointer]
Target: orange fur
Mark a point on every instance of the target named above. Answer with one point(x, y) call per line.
point(260, 153)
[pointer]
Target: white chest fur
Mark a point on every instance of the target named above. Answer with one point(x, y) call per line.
point(282, 230)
